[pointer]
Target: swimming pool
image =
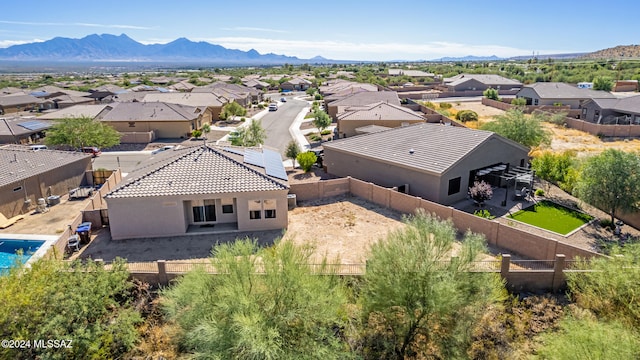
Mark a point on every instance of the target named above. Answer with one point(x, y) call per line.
point(17, 250)
point(32, 248)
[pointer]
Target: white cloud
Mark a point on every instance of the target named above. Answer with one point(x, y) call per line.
point(111, 26)
point(7, 43)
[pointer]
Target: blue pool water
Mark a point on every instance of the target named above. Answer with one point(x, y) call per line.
point(9, 251)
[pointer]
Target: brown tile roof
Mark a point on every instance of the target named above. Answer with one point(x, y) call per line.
point(487, 79)
point(147, 111)
point(14, 100)
point(188, 99)
point(19, 162)
point(368, 97)
point(557, 90)
point(436, 148)
point(74, 111)
point(196, 170)
point(379, 111)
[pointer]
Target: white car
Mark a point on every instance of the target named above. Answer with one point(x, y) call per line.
point(273, 107)
point(164, 148)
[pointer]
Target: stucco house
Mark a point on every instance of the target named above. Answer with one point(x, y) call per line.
point(22, 130)
point(480, 82)
point(380, 113)
point(624, 111)
point(296, 84)
point(164, 119)
point(207, 100)
point(435, 162)
point(360, 99)
point(553, 93)
point(201, 189)
point(20, 102)
point(27, 175)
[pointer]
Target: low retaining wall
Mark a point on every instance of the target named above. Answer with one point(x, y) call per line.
point(506, 237)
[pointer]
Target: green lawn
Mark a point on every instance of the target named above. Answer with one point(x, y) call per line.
point(551, 216)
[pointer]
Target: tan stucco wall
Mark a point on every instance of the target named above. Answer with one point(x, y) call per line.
point(163, 129)
point(171, 215)
point(61, 181)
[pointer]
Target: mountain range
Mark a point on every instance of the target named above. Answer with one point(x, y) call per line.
point(106, 47)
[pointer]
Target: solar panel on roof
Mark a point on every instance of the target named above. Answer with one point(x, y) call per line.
point(273, 164)
point(34, 125)
point(254, 158)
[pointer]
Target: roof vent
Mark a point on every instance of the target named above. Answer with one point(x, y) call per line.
point(411, 151)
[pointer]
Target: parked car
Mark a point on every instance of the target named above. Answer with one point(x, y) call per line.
point(164, 148)
point(273, 107)
point(94, 151)
point(283, 99)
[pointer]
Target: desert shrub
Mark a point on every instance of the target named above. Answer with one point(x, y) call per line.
point(315, 137)
point(484, 213)
point(317, 97)
point(491, 93)
point(539, 192)
point(325, 132)
point(306, 160)
point(260, 106)
point(606, 223)
point(467, 115)
point(196, 133)
point(519, 101)
point(430, 105)
point(445, 105)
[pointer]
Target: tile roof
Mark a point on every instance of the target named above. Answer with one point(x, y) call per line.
point(487, 79)
point(436, 148)
point(12, 126)
point(557, 90)
point(196, 170)
point(50, 89)
point(74, 111)
point(626, 105)
point(147, 111)
point(379, 111)
point(13, 100)
point(371, 129)
point(188, 99)
point(368, 97)
point(19, 162)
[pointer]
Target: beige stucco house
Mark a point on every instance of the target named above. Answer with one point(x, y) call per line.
point(435, 162)
point(27, 175)
point(381, 114)
point(201, 189)
point(164, 119)
point(553, 93)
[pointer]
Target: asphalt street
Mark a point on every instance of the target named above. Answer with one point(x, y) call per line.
point(277, 123)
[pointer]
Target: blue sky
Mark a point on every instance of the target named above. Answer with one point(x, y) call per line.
point(345, 30)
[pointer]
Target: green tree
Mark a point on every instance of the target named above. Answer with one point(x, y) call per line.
point(82, 131)
point(602, 83)
point(232, 109)
point(492, 94)
point(611, 181)
point(417, 301)
point(292, 151)
point(306, 160)
point(556, 168)
point(84, 303)
point(515, 125)
point(267, 303)
point(252, 135)
point(321, 120)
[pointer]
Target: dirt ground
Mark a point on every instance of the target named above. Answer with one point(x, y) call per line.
point(341, 228)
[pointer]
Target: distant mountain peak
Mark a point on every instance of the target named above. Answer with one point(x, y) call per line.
point(107, 47)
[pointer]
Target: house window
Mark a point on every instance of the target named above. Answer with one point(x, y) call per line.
point(269, 209)
point(535, 101)
point(227, 206)
point(255, 209)
point(132, 124)
point(17, 189)
point(454, 186)
point(204, 211)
